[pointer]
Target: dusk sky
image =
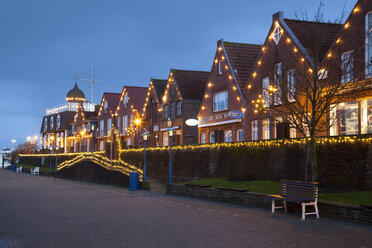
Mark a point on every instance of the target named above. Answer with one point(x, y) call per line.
point(44, 44)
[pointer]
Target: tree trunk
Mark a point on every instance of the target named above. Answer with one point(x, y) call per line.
point(313, 159)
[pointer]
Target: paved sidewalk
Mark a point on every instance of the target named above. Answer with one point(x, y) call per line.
point(38, 211)
point(156, 185)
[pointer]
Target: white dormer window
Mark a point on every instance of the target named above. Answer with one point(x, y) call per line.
point(125, 100)
point(277, 33)
point(58, 121)
point(105, 106)
point(219, 67)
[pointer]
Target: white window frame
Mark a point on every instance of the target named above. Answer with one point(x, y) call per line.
point(291, 85)
point(278, 74)
point(265, 91)
point(211, 137)
point(223, 95)
point(254, 127)
point(227, 136)
point(203, 138)
point(266, 129)
point(238, 136)
point(109, 124)
point(347, 71)
point(220, 67)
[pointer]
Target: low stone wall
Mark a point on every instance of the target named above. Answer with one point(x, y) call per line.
point(339, 211)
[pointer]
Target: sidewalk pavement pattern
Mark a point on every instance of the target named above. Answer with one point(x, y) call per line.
point(39, 211)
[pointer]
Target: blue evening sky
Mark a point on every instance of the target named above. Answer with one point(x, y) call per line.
point(44, 43)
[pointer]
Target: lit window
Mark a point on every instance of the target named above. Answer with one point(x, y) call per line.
point(165, 138)
point(277, 33)
point(211, 137)
point(347, 67)
point(291, 79)
point(366, 115)
point(278, 83)
point(265, 91)
point(255, 130)
point(220, 67)
point(369, 44)
point(239, 135)
point(266, 129)
point(345, 119)
point(220, 101)
point(202, 138)
point(228, 136)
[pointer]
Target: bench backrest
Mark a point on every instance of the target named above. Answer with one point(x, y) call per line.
point(36, 169)
point(299, 190)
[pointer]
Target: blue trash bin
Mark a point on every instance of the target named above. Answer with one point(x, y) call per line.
point(133, 181)
point(14, 167)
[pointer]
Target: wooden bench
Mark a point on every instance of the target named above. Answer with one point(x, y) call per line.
point(303, 193)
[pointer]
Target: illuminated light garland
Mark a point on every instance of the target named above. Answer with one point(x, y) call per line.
point(259, 62)
point(356, 9)
point(260, 143)
point(347, 25)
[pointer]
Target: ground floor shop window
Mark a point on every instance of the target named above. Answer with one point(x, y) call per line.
point(228, 136)
point(239, 135)
point(255, 130)
point(101, 145)
point(165, 138)
point(344, 119)
point(266, 129)
point(366, 116)
point(202, 138)
point(211, 137)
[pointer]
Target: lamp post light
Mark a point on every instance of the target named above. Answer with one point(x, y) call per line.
point(145, 137)
point(138, 123)
point(170, 155)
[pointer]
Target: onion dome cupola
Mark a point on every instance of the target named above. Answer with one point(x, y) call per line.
point(75, 95)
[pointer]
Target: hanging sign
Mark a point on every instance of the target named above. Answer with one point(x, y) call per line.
point(236, 114)
point(192, 122)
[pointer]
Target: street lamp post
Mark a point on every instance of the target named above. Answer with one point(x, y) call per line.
point(145, 136)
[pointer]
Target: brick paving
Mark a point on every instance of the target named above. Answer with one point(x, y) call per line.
point(38, 211)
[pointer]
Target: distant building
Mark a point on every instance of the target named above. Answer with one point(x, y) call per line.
point(57, 123)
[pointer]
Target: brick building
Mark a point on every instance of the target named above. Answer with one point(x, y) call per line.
point(106, 119)
point(282, 65)
point(232, 65)
point(128, 109)
point(181, 101)
point(151, 114)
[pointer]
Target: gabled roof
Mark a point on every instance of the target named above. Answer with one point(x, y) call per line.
point(190, 83)
point(112, 100)
point(242, 58)
point(137, 96)
point(309, 32)
point(159, 85)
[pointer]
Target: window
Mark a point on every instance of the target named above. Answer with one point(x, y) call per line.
point(125, 101)
point(108, 126)
point(275, 132)
point(165, 138)
point(51, 122)
point(131, 120)
point(369, 44)
point(347, 67)
point(291, 79)
point(347, 121)
point(173, 89)
point(277, 33)
point(202, 138)
point(45, 124)
point(179, 109)
point(278, 83)
point(101, 145)
point(101, 128)
point(239, 135)
point(220, 67)
point(172, 110)
point(105, 106)
point(266, 129)
point(254, 130)
point(118, 119)
point(366, 115)
point(125, 121)
point(265, 91)
point(165, 112)
point(220, 101)
point(58, 121)
point(211, 137)
point(292, 131)
point(227, 136)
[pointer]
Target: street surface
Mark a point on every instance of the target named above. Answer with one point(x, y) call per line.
point(38, 211)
